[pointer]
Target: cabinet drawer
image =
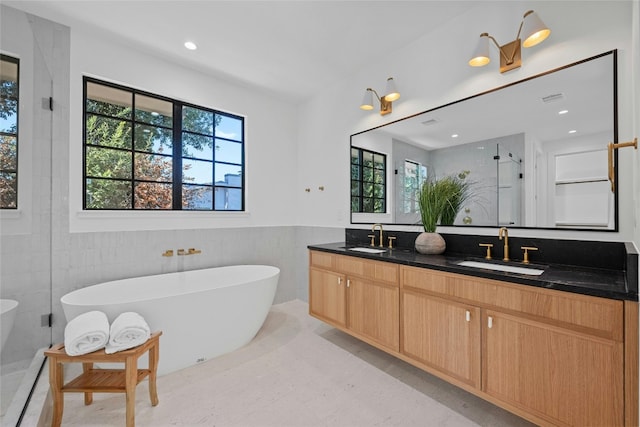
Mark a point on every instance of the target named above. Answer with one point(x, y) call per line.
point(379, 271)
point(598, 316)
point(321, 259)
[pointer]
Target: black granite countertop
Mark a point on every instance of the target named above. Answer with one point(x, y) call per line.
point(597, 282)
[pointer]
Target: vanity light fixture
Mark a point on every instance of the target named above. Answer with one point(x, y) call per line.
point(533, 31)
point(391, 94)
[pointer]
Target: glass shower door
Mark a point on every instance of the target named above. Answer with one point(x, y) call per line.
point(26, 227)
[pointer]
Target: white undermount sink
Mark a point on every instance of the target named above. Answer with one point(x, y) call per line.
point(500, 267)
point(368, 250)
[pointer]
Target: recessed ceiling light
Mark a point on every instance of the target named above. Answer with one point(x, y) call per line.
point(573, 131)
point(190, 45)
point(455, 135)
point(563, 112)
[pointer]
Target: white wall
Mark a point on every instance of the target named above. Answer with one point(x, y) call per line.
point(433, 71)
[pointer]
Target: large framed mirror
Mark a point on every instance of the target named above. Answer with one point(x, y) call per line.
point(535, 152)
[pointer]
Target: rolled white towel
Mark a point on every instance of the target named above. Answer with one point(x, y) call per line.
point(127, 331)
point(86, 333)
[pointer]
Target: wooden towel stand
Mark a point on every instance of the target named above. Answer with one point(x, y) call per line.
point(93, 380)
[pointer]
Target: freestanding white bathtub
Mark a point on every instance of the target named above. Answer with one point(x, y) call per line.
point(8, 309)
point(202, 313)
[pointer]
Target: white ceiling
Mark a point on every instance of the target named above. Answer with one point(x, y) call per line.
point(291, 48)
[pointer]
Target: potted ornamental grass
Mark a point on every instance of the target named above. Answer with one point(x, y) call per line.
point(439, 201)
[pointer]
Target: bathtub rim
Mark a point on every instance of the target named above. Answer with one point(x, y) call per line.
point(64, 300)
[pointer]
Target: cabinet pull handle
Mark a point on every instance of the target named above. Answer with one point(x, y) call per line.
point(467, 316)
point(490, 322)
point(339, 280)
point(348, 283)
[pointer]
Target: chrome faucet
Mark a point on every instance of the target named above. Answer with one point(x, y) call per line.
point(505, 232)
point(374, 229)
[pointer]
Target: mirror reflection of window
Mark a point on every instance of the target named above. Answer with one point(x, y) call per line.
point(368, 181)
point(9, 132)
point(414, 176)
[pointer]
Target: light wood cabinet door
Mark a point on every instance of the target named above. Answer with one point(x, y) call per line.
point(327, 296)
point(559, 375)
point(374, 311)
point(443, 335)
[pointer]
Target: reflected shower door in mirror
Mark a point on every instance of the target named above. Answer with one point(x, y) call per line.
point(535, 152)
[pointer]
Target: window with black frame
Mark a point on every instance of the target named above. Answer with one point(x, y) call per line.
point(9, 101)
point(368, 181)
point(147, 152)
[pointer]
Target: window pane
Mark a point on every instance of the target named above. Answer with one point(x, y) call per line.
point(197, 120)
point(227, 151)
point(8, 190)
point(228, 199)
point(355, 172)
point(367, 174)
point(108, 132)
point(229, 175)
point(378, 191)
point(9, 72)
point(154, 168)
point(197, 146)
point(197, 197)
point(8, 121)
point(355, 204)
point(154, 139)
point(367, 204)
point(150, 195)
point(355, 156)
point(8, 153)
point(154, 111)
point(355, 188)
point(108, 163)
point(367, 189)
point(229, 127)
point(108, 194)
point(197, 172)
point(379, 176)
point(108, 100)
point(9, 95)
point(378, 160)
point(367, 159)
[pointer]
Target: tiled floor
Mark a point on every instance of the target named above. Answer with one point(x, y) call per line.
point(296, 372)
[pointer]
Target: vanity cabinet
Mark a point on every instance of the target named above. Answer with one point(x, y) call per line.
point(562, 376)
point(356, 295)
point(443, 335)
point(328, 297)
point(552, 357)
